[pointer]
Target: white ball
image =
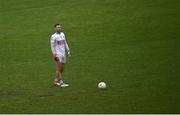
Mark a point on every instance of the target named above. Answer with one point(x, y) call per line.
point(102, 85)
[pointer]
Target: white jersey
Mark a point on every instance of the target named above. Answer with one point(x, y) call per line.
point(59, 44)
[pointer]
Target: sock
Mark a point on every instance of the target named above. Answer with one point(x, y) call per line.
point(61, 82)
point(56, 80)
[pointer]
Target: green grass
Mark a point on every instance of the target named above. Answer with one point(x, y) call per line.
point(132, 45)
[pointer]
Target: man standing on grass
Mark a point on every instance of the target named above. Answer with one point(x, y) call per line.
point(59, 48)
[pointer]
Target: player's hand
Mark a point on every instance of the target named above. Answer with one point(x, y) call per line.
point(69, 53)
point(55, 57)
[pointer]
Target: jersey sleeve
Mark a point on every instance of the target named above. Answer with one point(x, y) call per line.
point(67, 47)
point(52, 42)
point(66, 44)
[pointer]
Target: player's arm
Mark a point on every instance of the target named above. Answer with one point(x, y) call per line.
point(52, 41)
point(67, 47)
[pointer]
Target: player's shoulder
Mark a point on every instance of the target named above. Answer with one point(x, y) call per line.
point(52, 35)
point(62, 33)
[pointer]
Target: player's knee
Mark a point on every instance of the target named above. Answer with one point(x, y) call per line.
point(57, 71)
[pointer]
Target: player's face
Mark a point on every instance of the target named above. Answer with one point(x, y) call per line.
point(58, 28)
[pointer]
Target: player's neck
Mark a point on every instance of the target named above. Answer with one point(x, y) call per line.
point(58, 32)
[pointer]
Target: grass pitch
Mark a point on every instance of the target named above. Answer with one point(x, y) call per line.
point(132, 45)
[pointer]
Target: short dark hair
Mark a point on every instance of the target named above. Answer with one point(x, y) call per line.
point(56, 24)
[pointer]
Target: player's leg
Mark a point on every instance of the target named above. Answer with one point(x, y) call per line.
point(60, 70)
point(58, 76)
point(61, 67)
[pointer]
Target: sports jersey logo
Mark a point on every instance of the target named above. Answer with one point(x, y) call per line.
point(61, 42)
